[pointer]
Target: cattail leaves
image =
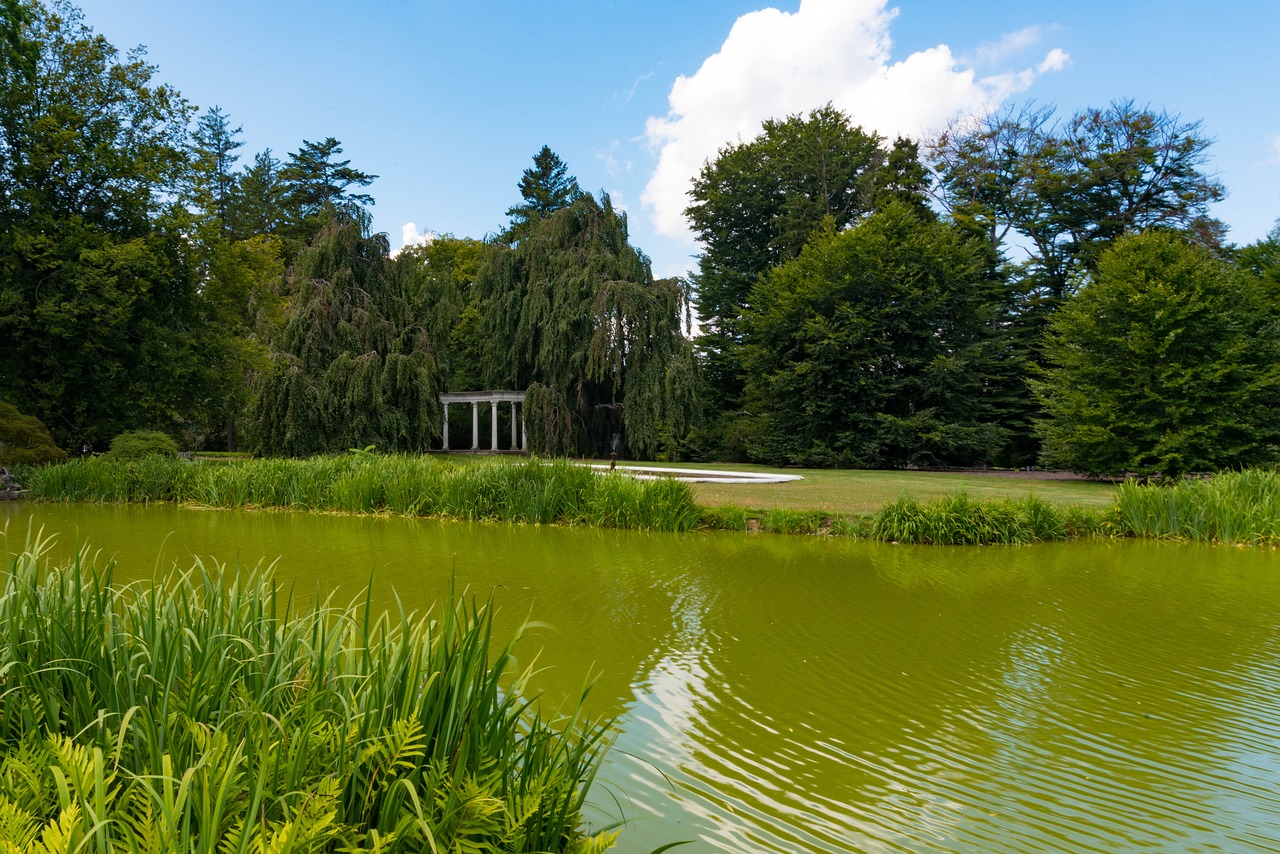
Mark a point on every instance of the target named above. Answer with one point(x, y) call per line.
point(217, 717)
point(531, 491)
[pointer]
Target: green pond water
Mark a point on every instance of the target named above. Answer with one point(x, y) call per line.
point(801, 694)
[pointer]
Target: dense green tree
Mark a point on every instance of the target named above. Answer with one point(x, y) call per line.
point(873, 348)
point(1263, 257)
point(99, 304)
point(17, 53)
point(545, 188)
point(216, 144)
point(755, 206)
point(1167, 362)
point(573, 314)
point(353, 364)
point(23, 439)
point(316, 185)
point(445, 273)
point(257, 204)
point(1068, 188)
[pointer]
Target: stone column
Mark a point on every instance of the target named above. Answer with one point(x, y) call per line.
point(493, 417)
point(475, 426)
point(445, 437)
point(514, 443)
point(524, 431)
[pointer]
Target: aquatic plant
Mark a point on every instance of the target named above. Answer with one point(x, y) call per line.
point(532, 491)
point(206, 711)
point(1232, 507)
point(962, 520)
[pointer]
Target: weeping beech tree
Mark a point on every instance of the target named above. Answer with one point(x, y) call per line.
point(353, 364)
point(577, 319)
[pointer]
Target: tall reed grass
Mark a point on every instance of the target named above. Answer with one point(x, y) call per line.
point(532, 491)
point(1233, 507)
point(207, 712)
point(961, 520)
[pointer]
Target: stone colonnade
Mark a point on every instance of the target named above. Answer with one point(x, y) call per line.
point(493, 398)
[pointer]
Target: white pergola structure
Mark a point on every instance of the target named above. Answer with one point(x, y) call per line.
point(493, 398)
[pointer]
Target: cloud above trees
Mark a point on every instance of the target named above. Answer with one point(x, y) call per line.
point(775, 63)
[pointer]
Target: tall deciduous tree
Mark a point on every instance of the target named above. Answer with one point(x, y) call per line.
point(756, 205)
point(1071, 187)
point(572, 313)
point(99, 305)
point(873, 348)
point(1263, 257)
point(354, 363)
point(17, 53)
point(1168, 362)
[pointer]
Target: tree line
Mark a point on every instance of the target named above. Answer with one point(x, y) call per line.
point(1021, 288)
point(150, 279)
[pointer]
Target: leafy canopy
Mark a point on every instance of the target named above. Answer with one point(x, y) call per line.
point(871, 348)
point(1168, 362)
point(587, 329)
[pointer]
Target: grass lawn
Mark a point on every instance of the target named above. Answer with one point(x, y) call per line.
point(860, 491)
point(852, 490)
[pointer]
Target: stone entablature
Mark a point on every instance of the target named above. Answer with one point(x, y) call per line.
point(493, 398)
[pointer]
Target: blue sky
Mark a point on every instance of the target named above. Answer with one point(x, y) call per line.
point(448, 102)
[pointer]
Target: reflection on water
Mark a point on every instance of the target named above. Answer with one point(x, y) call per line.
point(798, 694)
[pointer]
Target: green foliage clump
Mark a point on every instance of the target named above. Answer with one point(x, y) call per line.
point(1168, 362)
point(873, 347)
point(24, 440)
point(136, 444)
point(532, 492)
point(960, 520)
point(585, 327)
point(756, 205)
point(354, 363)
point(1232, 507)
point(204, 712)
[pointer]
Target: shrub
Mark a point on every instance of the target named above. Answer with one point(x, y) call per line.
point(142, 443)
point(24, 440)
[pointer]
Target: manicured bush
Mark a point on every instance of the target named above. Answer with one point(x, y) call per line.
point(142, 443)
point(24, 440)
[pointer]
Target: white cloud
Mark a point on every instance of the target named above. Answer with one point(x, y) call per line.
point(1009, 46)
point(774, 64)
point(410, 237)
point(612, 164)
point(1055, 60)
point(1275, 150)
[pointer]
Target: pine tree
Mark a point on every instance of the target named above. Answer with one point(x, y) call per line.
point(545, 188)
point(216, 145)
